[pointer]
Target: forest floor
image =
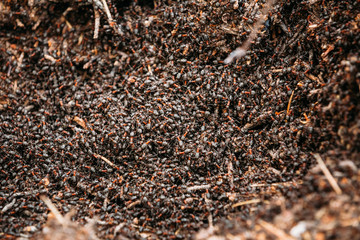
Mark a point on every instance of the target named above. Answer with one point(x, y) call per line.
point(123, 121)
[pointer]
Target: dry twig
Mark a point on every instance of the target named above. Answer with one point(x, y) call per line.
point(327, 174)
point(199, 187)
point(109, 17)
point(105, 160)
point(246, 202)
point(286, 184)
point(97, 22)
point(289, 104)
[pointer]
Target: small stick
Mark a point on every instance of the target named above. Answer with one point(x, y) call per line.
point(289, 104)
point(199, 187)
point(241, 51)
point(327, 174)
point(97, 22)
point(53, 209)
point(230, 174)
point(246, 202)
point(107, 11)
point(280, 234)
point(291, 183)
point(109, 17)
point(105, 160)
point(133, 204)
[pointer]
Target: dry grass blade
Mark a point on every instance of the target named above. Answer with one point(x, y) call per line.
point(107, 11)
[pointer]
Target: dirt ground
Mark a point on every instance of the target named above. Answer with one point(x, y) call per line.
point(123, 121)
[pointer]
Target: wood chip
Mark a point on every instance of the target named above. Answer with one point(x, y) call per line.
point(80, 121)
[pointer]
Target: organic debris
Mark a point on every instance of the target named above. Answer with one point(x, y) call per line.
point(149, 129)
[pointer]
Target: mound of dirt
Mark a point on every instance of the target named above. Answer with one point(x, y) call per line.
point(128, 114)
